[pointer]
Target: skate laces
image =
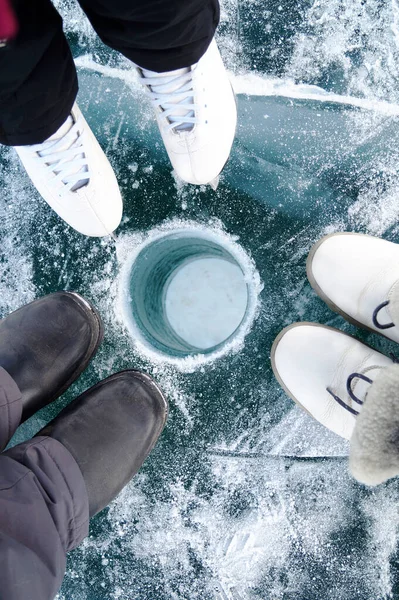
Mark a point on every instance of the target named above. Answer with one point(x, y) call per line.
point(375, 317)
point(65, 156)
point(173, 92)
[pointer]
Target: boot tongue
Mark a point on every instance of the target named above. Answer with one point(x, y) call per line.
point(61, 132)
point(166, 84)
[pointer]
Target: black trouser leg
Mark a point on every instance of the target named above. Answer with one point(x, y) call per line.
point(44, 508)
point(44, 512)
point(38, 83)
point(160, 35)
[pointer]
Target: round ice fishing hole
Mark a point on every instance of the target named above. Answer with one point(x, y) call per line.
point(187, 294)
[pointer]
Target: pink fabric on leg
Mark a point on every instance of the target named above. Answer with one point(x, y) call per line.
point(8, 21)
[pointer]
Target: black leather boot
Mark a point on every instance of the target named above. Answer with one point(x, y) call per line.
point(110, 430)
point(47, 344)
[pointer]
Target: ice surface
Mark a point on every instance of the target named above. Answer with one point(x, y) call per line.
point(129, 247)
point(206, 301)
point(245, 497)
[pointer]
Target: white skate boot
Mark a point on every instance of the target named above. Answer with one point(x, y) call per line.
point(73, 175)
point(358, 277)
point(327, 372)
point(197, 116)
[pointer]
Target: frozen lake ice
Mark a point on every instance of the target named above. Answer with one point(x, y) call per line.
point(245, 497)
point(206, 301)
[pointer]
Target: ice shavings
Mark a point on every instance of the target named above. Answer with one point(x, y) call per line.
point(358, 41)
point(257, 85)
point(262, 529)
point(17, 214)
point(130, 246)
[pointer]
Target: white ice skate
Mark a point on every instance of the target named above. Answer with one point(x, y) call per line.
point(358, 277)
point(73, 175)
point(197, 116)
point(327, 372)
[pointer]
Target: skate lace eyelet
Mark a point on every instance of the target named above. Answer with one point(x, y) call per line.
point(350, 392)
point(376, 323)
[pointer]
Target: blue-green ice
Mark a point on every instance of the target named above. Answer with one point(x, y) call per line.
point(245, 497)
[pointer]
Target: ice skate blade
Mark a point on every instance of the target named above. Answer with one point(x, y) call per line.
point(214, 183)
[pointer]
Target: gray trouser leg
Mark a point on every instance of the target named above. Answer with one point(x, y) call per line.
point(10, 408)
point(44, 512)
